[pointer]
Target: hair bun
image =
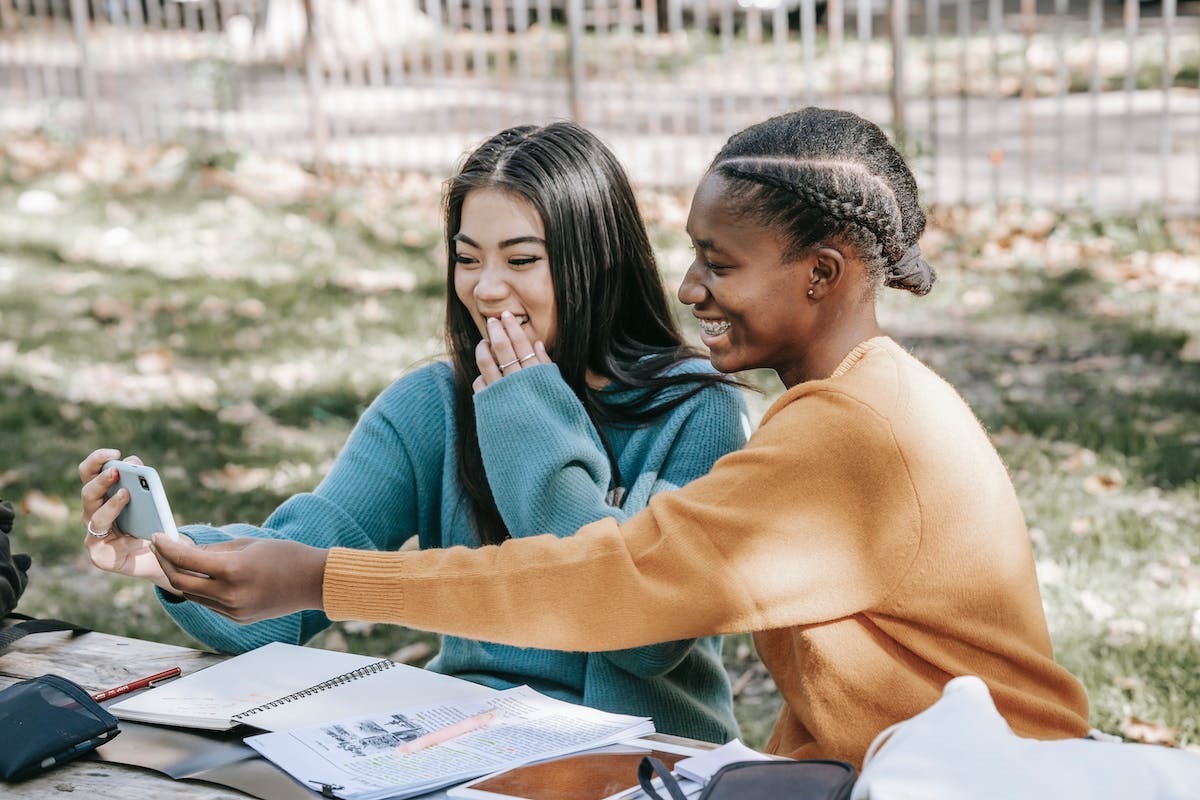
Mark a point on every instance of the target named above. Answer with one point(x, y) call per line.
point(911, 272)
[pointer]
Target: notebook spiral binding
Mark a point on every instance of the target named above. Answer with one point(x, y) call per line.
point(345, 677)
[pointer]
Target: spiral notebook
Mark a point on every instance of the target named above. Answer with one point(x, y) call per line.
point(283, 686)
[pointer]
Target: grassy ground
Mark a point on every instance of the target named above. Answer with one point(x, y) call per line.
point(228, 318)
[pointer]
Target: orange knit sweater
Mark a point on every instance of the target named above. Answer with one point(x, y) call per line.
point(869, 535)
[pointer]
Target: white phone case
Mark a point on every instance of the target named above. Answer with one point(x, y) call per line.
point(147, 512)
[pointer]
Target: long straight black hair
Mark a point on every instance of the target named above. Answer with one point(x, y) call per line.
point(613, 317)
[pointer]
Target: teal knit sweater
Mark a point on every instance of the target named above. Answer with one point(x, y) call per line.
point(397, 476)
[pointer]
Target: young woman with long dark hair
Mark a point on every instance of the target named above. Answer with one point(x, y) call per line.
point(542, 231)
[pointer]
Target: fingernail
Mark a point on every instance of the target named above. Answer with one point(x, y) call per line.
point(506, 314)
point(493, 320)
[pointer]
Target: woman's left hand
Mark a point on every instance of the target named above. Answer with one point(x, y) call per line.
point(246, 580)
point(506, 349)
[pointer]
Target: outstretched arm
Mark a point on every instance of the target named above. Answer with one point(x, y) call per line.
point(368, 500)
point(802, 555)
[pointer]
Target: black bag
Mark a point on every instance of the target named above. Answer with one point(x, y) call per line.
point(46, 721)
point(13, 569)
point(811, 779)
point(13, 579)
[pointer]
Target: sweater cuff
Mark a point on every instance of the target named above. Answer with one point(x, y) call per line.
point(363, 585)
point(169, 598)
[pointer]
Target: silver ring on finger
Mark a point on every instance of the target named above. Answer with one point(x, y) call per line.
point(509, 364)
point(523, 359)
point(96, 533)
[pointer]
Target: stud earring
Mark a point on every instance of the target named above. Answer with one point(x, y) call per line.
point(810, 292)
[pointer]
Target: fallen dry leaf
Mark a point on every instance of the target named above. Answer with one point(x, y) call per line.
point(375, 280)
point(111, 309)
point(1131, 683)
point(335, 640)
point(235, 478)
point(1049, 572)
point(1147, 732)
point(1102, 483)
point(251, 308)
point(1079, 459)
point(243, 413)
point(158, 361)
point(1122, 632)
point(38, 504)
point(412, 653)
point(1191, 350)
point(1097, 607)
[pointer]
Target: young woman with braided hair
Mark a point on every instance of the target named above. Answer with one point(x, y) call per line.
point(868, 533)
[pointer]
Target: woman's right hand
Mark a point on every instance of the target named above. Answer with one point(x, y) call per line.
point(506, 349)
point(115, 551)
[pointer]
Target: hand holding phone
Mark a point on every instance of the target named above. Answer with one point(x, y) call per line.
point(147, 511)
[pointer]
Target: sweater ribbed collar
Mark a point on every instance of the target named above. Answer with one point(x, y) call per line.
point(856, 355)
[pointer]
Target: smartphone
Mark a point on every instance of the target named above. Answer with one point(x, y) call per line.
point(147, 511)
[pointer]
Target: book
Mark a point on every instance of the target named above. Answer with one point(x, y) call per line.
point(608, 773)
point(280, 686)
point(363, 758)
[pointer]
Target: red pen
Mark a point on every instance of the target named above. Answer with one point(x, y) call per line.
point(140, 683)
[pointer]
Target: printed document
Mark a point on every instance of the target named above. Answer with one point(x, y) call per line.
point(358, 758)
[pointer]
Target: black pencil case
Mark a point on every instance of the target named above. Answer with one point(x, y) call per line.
point(46, 721)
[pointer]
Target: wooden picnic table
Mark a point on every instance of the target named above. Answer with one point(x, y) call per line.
point(210, 763)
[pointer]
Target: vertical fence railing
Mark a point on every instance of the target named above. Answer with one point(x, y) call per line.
point(313, 84)
point(1055, 102)
point(1095, 30)
point(1168, 75)
point(898, 33)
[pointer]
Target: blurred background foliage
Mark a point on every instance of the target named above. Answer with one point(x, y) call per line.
point(227, 318)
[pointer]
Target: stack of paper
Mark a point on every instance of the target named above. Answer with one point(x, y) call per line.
point(360, 758)
point(700, 768)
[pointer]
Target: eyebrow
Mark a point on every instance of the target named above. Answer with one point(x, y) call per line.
point(467, 240)
point(706, 244)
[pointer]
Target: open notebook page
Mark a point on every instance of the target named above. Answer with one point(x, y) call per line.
point(317, 684)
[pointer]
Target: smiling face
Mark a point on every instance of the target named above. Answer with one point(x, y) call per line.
point(751, 304)
point(501, 263)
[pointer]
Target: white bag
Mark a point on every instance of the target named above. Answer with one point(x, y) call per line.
point(960, 748)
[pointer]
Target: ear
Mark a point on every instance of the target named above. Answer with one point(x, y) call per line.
point(827, 269)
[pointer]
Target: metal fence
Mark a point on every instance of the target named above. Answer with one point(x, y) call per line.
point(1056, 102)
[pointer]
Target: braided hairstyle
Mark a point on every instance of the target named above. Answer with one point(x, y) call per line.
point(824, 176)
